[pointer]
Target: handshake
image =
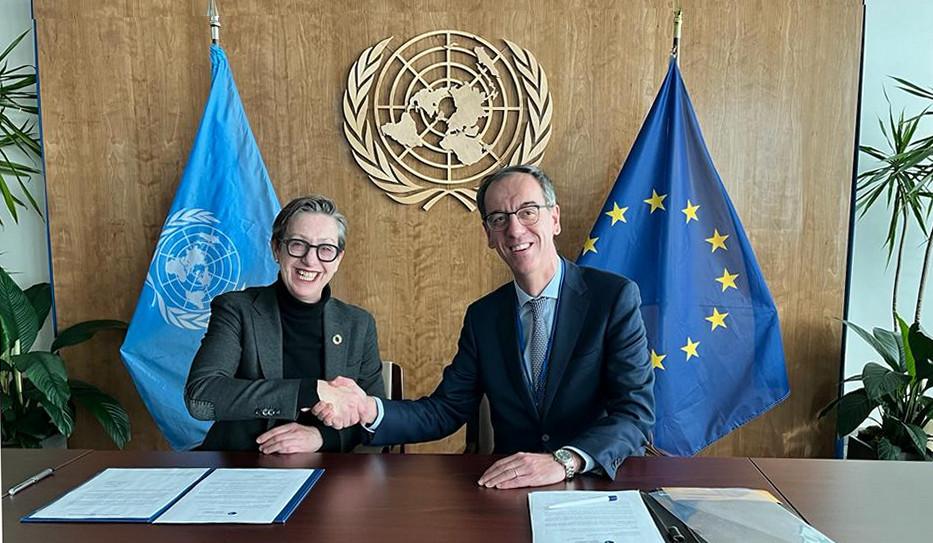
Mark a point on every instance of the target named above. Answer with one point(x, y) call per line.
point(343, 404)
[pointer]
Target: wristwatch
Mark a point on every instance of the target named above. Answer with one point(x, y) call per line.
point(565, 458)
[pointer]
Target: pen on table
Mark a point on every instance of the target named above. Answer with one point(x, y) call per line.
point(32, 480)
point(585, 501)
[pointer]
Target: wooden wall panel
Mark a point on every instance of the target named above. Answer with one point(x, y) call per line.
point(774, 85)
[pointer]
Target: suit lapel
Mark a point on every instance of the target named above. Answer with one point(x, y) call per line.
point(572, 305)
point(267, 327)
point(335, 340)
point(506, 322)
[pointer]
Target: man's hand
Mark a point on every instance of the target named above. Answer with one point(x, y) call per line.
point(343, 404)
point(522, 470)
point(290, 438)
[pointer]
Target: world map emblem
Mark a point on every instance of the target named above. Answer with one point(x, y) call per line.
point(194, 262)
point(432, 118)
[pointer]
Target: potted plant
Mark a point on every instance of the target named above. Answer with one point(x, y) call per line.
point(18, 130)
point(898, 388)
point(38, 399)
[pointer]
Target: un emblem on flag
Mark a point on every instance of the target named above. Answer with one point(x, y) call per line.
point(194, 261)
point(442, 111)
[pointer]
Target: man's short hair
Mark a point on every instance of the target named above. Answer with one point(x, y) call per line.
point(314, 203)
point(550, 196)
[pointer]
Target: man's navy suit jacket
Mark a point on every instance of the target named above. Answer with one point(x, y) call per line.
point(599, 393)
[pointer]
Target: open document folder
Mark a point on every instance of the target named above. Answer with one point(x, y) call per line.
point(183, 496)
point(667, 515)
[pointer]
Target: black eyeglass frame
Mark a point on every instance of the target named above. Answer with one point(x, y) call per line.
point(307, 248)
point(506, 214)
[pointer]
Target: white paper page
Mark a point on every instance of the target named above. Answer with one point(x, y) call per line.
point(621, 521)
point(243, 496)
point(123, 494)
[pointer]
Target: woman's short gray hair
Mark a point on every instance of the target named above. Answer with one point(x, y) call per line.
point(550, 197)
point(314, 203)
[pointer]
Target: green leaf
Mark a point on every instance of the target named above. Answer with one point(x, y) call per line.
point(61, 417)
point(108, 411)
point(880, 381)
point(917, 437)
point(83, 331)
point(881, 342)
point(24, 324)
point(887, 450)
point(40, 297)
point(852, 410)
point(908, 355)
point(921, 346)
point(47, 372)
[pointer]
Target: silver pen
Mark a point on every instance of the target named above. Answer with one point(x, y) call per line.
point(32, 480)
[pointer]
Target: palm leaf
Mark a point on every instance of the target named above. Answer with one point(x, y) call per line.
point(23, 323)
point(84, 331)
point(111, 415)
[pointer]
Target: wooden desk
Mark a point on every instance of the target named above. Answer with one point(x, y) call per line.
point(857, 500)
point(383, 498)
point(21, 464)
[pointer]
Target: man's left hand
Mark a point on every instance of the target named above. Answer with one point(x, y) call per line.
point(523, 470)
point(290, 438)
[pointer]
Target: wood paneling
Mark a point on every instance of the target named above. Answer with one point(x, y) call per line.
point(774, 85)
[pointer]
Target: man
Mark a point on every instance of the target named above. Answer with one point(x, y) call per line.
point(560, 352)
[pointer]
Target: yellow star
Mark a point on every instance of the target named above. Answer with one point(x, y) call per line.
point(690, 211)
point(727, 279)
point(718, 319)
point(656, 201)
point(590, 245)
point(656, 359)
point(617, 213)
point(718, 241)
point(691, 348)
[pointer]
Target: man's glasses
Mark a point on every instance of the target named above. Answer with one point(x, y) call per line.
point(527, 215)
point(298, 248)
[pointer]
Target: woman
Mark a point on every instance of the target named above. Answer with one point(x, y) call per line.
point(266, 348)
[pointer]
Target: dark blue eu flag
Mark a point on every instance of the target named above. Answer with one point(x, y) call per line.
point(712, 326)
point(215, 239)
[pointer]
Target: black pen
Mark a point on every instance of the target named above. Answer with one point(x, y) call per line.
point(32, 480)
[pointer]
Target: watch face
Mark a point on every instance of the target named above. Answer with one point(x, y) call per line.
point(563, 456)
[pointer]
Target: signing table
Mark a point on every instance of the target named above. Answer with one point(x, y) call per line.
point(393, 497)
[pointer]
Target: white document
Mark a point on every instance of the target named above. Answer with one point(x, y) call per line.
point(122, 494)
point(243, 496)
point(621, 521)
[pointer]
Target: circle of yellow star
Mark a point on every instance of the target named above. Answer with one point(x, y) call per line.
point(589, 245)
point(718, 241)
point(617, 214)
point(690, 211)
point(691, 348)
point(727, 279)
point(717, 319)
point(656, 359)
point(656, 201)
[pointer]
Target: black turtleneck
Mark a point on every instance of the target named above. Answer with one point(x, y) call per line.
point(303, 354)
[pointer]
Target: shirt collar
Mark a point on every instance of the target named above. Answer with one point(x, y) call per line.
point(550, 291)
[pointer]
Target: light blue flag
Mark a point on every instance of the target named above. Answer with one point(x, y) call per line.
point(713, 330)
point(215, 239)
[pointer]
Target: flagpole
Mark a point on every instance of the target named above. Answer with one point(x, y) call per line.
point(214, 15)
point(678, 20)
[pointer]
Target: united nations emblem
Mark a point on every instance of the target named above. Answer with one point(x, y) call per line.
point(444, 109)
point(194, 261)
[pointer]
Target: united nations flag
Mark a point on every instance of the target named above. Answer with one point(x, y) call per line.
point(215, 239)
point(712, 326)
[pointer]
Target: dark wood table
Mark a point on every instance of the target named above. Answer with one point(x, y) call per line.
point(21, 464)
point(383, 498)
point(858, 500)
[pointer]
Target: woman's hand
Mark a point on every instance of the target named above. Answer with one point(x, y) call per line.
point(290, 438)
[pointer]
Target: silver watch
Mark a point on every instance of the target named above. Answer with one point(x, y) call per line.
point(565, 458)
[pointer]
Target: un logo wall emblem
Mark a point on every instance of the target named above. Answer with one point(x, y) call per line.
point(442, 111)
point(194, 261)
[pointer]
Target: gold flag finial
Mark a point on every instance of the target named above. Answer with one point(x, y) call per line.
point(678, 20)
point(213, 15)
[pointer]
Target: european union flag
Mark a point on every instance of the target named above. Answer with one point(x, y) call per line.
point(215, 239)
point(713, 330)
